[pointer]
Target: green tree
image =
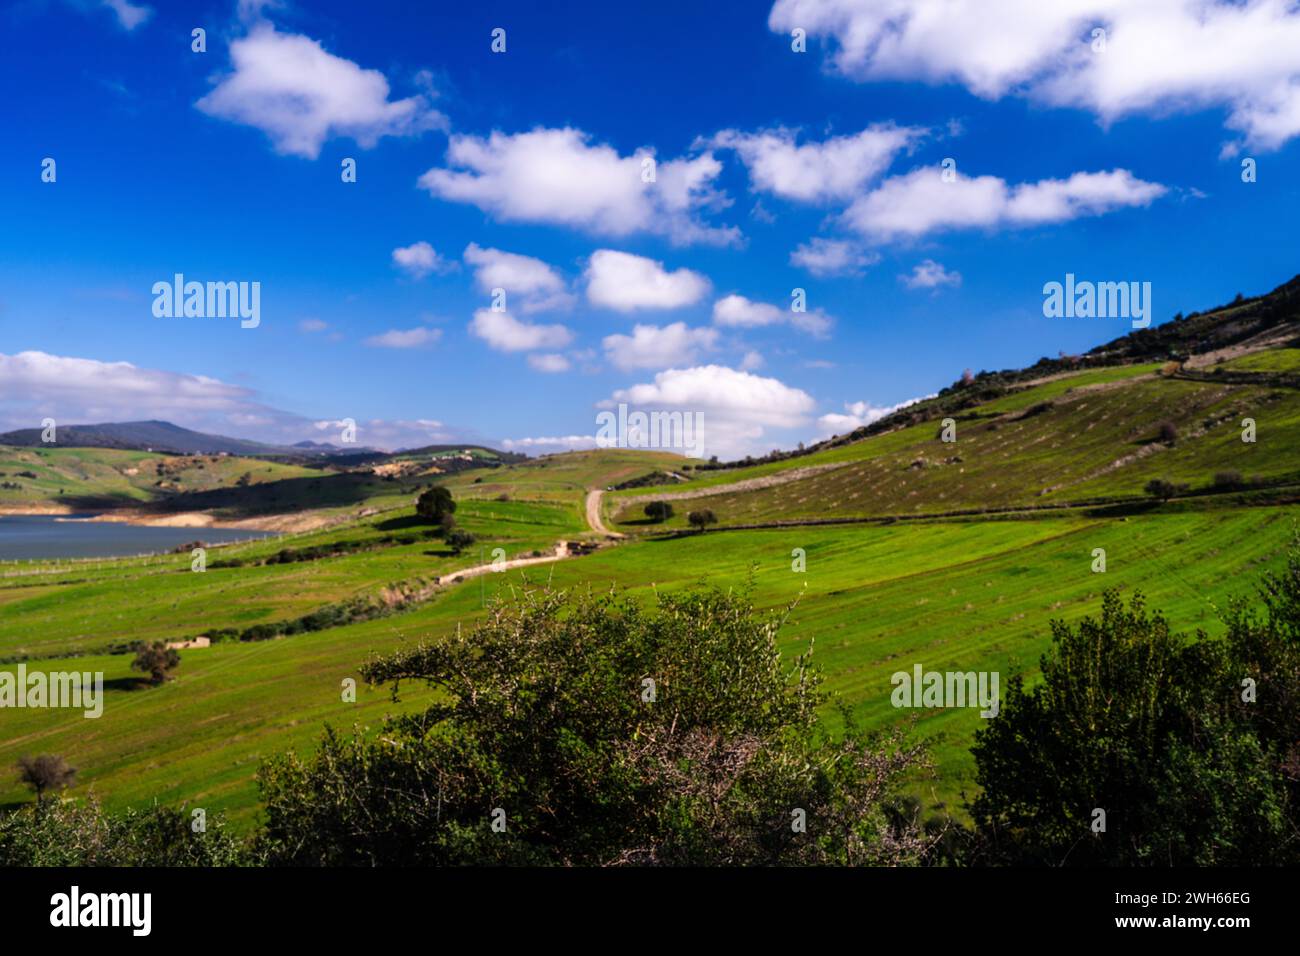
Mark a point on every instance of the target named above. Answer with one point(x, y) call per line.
point(658, 511)
point(434, 504)
point(701, 519)
point(596, 731)
point(1135, 721)
point(157, 660)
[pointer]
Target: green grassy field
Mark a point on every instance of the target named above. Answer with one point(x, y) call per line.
point(949, 595)
point(970, 593)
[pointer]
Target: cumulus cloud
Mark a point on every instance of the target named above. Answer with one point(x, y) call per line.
point(405, 338)
point(833, 257)
point(740, 409)
point(652, 346)
point(737, 312)
point(1242, 56)
point(836, 168)
point(418, 260)
point(922, 202)
point(300, 95)
point(625, 283)
point(930, 275)
point(503, 332)
point(539, 287)
point(79, 391)
point(856, 415)
point(557, 176)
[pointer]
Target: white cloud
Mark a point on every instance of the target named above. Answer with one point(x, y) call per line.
point(549, 362)
point(836, 168)
point(418, 260)
point(539, 287)
point(544, 445)
point(78, 391)
point(921, 202)
point(1160, 55)
point(405, 338)
point(625, 283)
point(739, 408)
point(391, 433)
point(930, 275)
point(833, 257)
point(751, 362)
point(503, 332)
point(736, 311)
point(129, 15)
point(312, 325)
point(290, 88)
point(652, 346)
point(557, 176)
point(856, 415)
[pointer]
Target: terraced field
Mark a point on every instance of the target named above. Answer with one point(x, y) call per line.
point(1074, 439)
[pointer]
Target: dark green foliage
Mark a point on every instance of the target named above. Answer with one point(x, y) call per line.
point(1154, 729)
point(458, 540)
point(658, 511)
point(435, 503)
point(606, 733)
point(701, 519)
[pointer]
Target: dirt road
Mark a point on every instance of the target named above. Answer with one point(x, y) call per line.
point(593, 515)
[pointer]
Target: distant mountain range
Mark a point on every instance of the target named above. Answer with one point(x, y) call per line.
point(166, 437)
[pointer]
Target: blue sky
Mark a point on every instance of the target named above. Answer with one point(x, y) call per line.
point(774, 170)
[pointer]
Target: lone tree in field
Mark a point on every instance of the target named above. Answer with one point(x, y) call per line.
point(434, 504)
point(584, 729)
point(701, 519)
point(46, 772)
point(659, 511)
point(157, 660)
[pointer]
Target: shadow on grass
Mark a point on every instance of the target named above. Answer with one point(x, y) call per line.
point(404, 521)
point(129, 684)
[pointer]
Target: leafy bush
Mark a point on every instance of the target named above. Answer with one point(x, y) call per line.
point(66, 833)
point(1191, 747)
point(595, 731)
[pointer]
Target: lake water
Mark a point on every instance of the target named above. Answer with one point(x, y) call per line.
point(50, 536)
